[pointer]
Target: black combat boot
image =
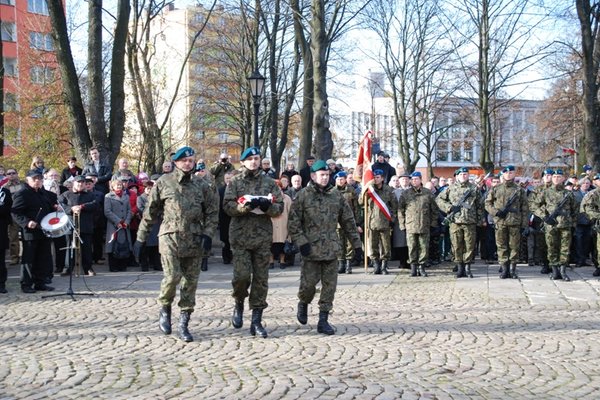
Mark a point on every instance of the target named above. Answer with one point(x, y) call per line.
point(302, 313)
point(468, 272)
point(341, 267)
point(237, 319)
point(384, 267)
point(513, 271)
point(504, 271)
point(323, 326)
point(596, 272)
point(421, 271)
point(377, 267)
point(348, 266)
point(563, 273)
point(545, 269)
point(413, 270)
point(184, 333)
point(256, 324)
point(164, 320)
point(555, 273)
point(204, 265)
point(460, 273)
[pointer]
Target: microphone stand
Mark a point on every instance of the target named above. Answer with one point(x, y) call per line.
point(73, 248)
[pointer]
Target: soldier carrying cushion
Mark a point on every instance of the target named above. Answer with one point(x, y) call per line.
point(346, 253)
point(189, 212)
point(417, 214)
point(314, 216)
point(463, 199)
point(558, 209)
point(251, 200)
point(507, 204)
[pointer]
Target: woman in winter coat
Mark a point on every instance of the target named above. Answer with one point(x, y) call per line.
point(118, 217)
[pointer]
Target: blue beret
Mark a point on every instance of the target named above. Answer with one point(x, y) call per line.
point(461, 170)
point(250, 151)
point(185, 151)
point(548, 171)
point(200, 166)
point(558, 171)
point(415, 174)
point(378, 172)
point(508, 168)
point(341, 174)
point(319, 166)
point(587, 167)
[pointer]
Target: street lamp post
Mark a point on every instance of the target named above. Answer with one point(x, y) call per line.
point(257, 87)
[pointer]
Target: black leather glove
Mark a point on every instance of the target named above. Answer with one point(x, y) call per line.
point(525, 232)
point(137, 250)
point(454, 209)
point(264, 204)
point(550, 221)
point(358, 253)
point(502, 214)
point(392, 224)
point(255, 202)
point(305, 249)
point(206, 242)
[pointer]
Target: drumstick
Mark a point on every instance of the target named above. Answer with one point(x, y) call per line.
point(37, 216)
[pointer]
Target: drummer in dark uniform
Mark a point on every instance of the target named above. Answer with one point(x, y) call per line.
point(82, 206)
point(30, 205)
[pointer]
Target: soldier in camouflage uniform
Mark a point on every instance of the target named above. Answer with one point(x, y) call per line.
point(535, 197)
point(346, 253)
point(417, 214)
point(510, 219)
point(590, 205)
point(203, 175)
point(189, 212)
point(250, 235)
point(380, 227)
point(468, 215)
point(315, 214)
point(558, 227)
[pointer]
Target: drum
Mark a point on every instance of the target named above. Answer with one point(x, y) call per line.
point(56, 224)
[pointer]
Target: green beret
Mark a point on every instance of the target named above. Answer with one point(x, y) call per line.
point(319, 166)
point(185, 151)
point(250, 151)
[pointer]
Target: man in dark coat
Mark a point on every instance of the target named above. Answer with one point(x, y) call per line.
point(82, 206)
point(305, 171)
point(100, 168)
point(5, 220)
point(30, 205)
point(382, 164)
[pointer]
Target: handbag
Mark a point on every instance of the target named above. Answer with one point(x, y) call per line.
point(290, 248)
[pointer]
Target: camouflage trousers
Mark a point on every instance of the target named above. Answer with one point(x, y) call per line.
point(346, 249)
point(311, 273)
point(380, 246)
point(179, 269)
point(462, 238)
point(508, 242)
point(558, 241)
point(418, 248)
point(251, 271)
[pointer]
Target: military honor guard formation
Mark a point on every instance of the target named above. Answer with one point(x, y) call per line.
point(322, 216)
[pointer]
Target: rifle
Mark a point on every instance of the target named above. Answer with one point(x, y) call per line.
point(504, 212)
point(551, 219)
point(461, 203)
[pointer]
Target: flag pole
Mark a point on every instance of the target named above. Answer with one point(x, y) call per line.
point(366, 231)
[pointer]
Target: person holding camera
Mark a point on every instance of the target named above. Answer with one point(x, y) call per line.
point(220, 168)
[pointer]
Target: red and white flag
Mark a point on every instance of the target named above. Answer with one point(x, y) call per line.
point(380, 203)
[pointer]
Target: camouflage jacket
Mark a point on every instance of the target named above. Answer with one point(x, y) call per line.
point(250, 229)
point(313, 219)
point(351, 198)
point(590, 205)
point(498, 197)
point(189, 208)
point(549, 201)
point(219, 170)
point(536, 196)
point(472, 212)
point(417, 210)
point(377, 219)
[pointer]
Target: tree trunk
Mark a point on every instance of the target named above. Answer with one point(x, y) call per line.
point(97, 125)
point(486, 159)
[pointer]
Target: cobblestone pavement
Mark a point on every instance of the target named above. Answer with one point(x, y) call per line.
point(397, 337)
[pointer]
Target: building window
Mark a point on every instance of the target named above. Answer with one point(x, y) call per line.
point(37, 7)
point(41, 41)
point(11, 103)
point(223, 136)
point(42, 75)
point(200, 135)
point(10, 67)
point(8, 2)
point(9, 32)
